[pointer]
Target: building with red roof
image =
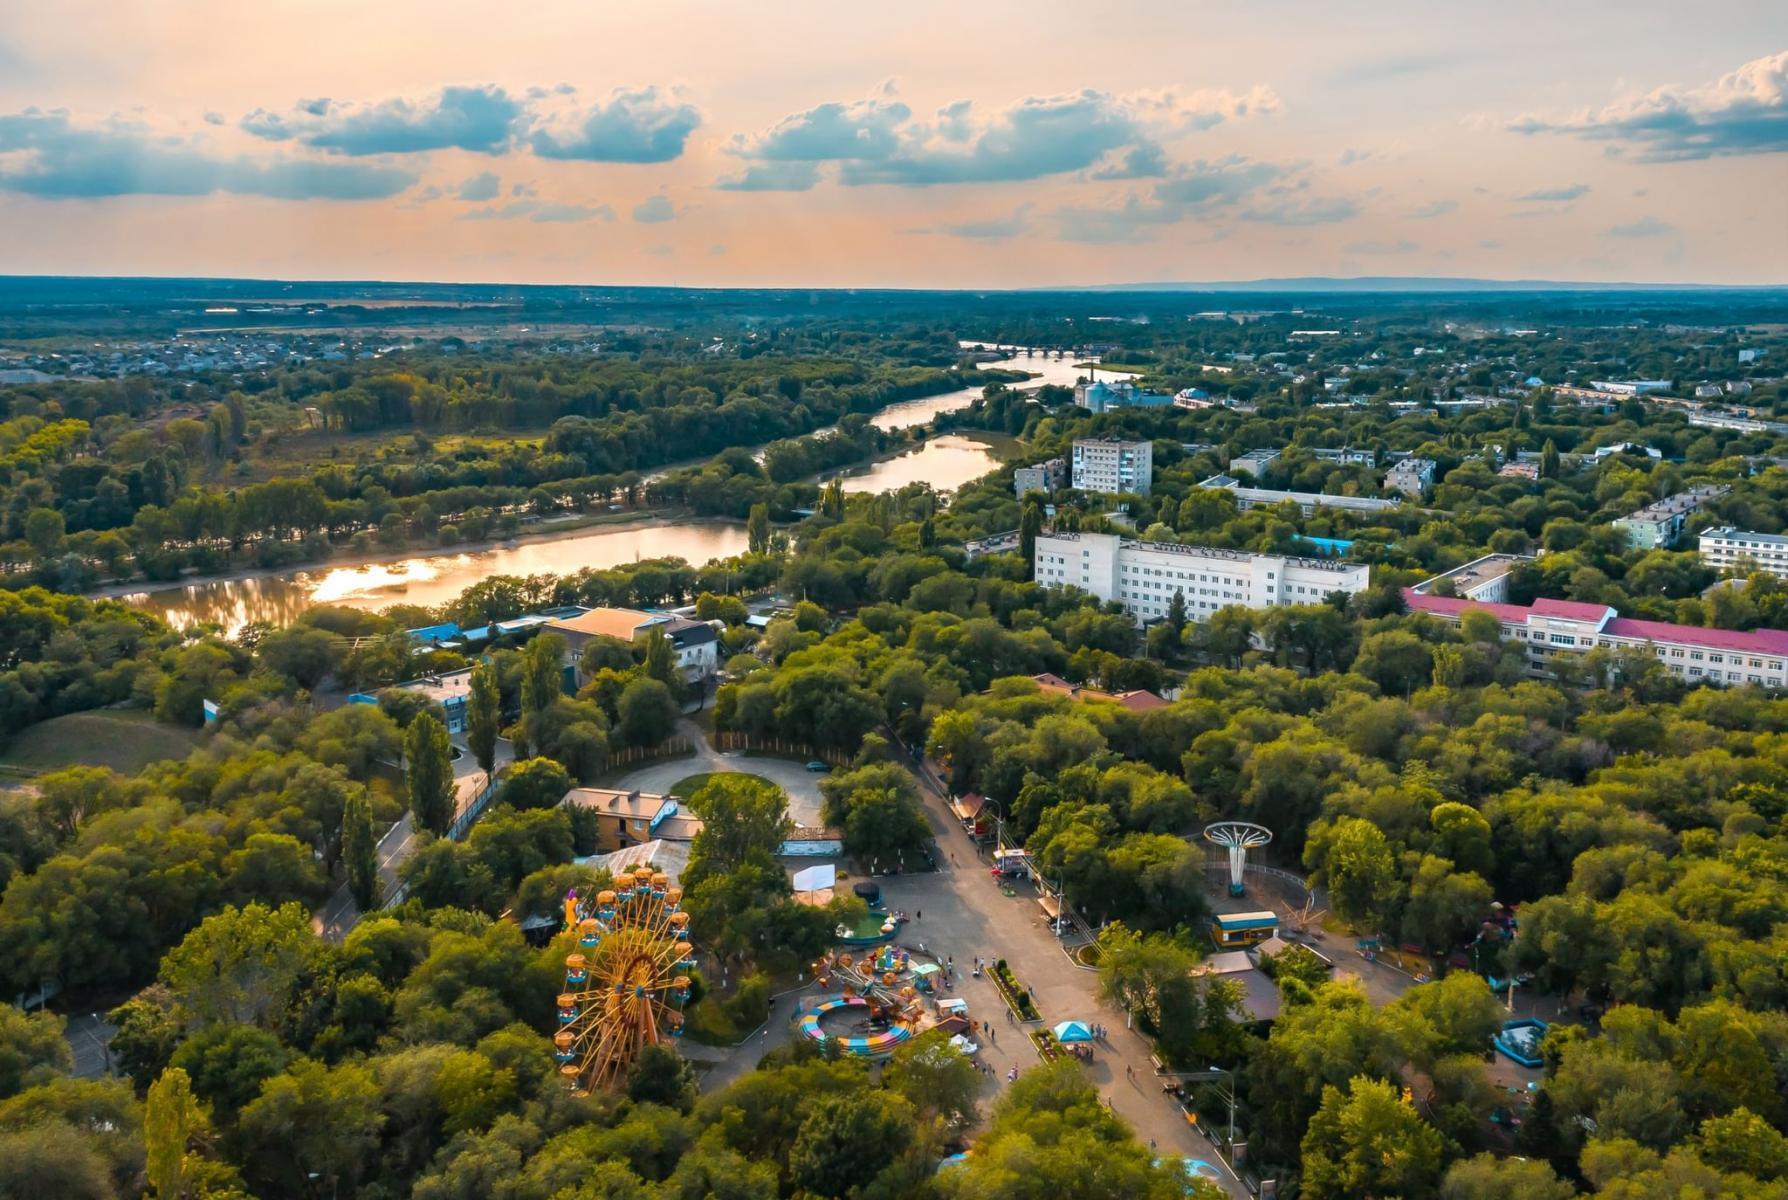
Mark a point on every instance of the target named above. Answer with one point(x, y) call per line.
point(1549, 627)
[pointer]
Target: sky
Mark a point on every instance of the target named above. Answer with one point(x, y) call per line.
point(920, 144)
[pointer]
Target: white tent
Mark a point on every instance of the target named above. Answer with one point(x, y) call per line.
point(814, 879)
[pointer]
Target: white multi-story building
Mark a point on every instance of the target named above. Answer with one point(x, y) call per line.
point(1143, 576)
point(1551, 627)
point(1729, 549)
point(1112, 466)
point(1410, 477)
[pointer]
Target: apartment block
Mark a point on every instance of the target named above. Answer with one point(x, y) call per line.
point(1112, 466)
point(1745, 551)
point(1144, 576)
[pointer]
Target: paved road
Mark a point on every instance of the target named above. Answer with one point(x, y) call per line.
point(340, 914)
point(89, 1036)
point(800, 784)
point(961, 912)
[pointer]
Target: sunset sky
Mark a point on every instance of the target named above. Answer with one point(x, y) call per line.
point(916, 144)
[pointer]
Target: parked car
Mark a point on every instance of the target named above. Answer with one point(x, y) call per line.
point(816, 766)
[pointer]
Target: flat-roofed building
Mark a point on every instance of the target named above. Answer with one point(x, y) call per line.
point(1412, 477)
point(1307, 502)
point(1143, 576)
point(1485, 578)
point(1045, 477)
point(1744, 551)
point(1113, 467)
point(623, 818)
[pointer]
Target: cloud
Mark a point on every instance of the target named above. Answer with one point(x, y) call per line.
point(1397, 68)
point(1644, 227)
point(878, 140)
point(1147, 161)
point(48, 154)
point(1743, 112)
point(1247, 189)
point(1287, 209)
point(1401, 246)
point(991, 229)
point(540, 212)
point(773, 177)
point(480, 119)
point(480, 188)
point(1432, 209)
point(1560, 195)
point(640, 125)
point(653, 210)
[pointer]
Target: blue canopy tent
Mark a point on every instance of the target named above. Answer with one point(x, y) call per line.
point(1073, 1031)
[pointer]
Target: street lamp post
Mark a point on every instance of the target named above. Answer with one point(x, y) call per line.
point(1229, 1088)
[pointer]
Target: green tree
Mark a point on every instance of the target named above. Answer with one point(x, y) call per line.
point(934, 1077)
point(1742, 1141)
point(757, 529)
point(32, 1048)
point(239, 965)
point(846, 1141)
point(1487, 1177)
point(313, 1119)
point(543, 674)
point(428, 774)
point(660, 661)
point(1358, 868)
point(534, 783)
point(647, 711)
point(173, 1121)
point(360, 852)
point(1030, 524)
point(1367, 1142)
point(483, 716)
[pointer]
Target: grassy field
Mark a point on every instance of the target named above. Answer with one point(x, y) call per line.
point(123, 739)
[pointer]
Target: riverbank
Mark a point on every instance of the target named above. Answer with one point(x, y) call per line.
point(548, 530)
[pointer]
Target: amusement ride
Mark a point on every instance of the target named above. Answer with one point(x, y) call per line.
point(626, 982)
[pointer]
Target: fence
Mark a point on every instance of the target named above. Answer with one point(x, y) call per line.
point(747, 741)
point(676, 747)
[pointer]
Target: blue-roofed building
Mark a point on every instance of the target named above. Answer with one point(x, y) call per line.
point(1099, 396)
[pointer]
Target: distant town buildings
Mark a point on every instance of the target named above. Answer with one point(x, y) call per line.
point(1412, 477)
point(1658, 525)
point(1144, 576)
point(1630, 387)
point(1045, 477)
point(1099, 396)
point(1308, 502)
point(1112, 466)
point(1253, 462)
point(1745, 551)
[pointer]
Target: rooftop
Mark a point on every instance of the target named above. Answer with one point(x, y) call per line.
point(1475, 573)
point(606, 622)
point(1682, 502)
point(1747, 535)
point(630, 805)
point(1755, 641)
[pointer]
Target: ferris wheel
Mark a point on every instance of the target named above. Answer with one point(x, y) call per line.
point(627, 981)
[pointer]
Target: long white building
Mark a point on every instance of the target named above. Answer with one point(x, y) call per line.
point(1729, 549)
point(1143, 576)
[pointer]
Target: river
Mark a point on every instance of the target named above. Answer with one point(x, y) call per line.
point(435, 577)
